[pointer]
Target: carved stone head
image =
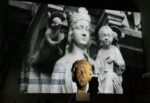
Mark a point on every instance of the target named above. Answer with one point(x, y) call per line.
point(81, 73)
point(106, 35)
point(79, 27)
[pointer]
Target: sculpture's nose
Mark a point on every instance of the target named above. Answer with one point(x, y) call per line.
point(84, 34)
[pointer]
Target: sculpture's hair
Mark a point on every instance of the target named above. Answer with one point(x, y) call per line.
point(56, 14)
point(104, 28)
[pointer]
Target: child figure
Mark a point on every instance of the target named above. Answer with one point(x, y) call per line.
point(51, 43)
point(110, 63)
point(52, 47)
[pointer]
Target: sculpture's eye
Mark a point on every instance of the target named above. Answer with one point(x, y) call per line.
point(81, 72)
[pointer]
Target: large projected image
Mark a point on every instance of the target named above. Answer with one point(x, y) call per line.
point(71, 49)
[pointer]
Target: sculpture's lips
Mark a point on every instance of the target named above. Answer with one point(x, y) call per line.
point(84, 39)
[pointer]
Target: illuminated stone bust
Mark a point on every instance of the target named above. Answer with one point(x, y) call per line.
point(78, 39)
point(81, 74)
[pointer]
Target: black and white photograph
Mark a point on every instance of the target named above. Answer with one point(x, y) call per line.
point(67, 49)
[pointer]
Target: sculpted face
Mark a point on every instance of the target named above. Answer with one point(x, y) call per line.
point(82, 72)
point(80, 32)
point(106, 36)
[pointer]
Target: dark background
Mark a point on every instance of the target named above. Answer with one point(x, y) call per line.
point(139, 92)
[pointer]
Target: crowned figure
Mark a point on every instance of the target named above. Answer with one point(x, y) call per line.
point(78, 41)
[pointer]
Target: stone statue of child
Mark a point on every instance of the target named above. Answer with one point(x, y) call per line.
point(50, 50)
point(50, 44)
point(110, 63)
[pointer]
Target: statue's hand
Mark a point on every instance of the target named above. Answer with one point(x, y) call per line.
point(109, 60)
point(61, 36)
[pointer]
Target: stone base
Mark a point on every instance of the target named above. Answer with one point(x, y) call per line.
point(82, 97)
